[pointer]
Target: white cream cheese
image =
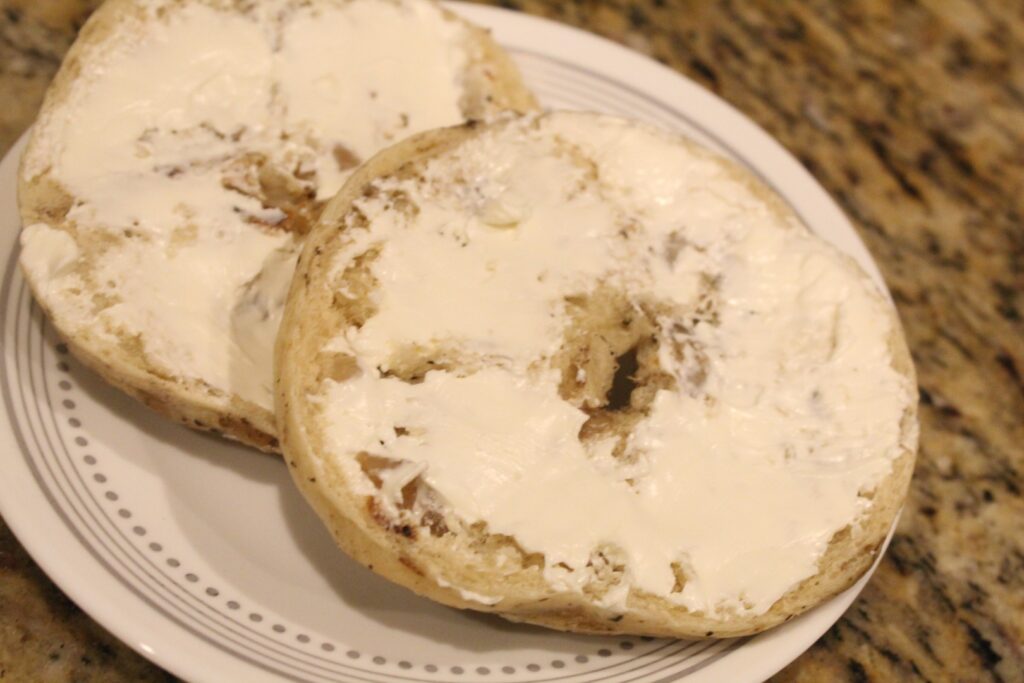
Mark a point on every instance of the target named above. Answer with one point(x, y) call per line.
point(152, 131)
point(741, 476)
point(47, 254)
point(397, 60)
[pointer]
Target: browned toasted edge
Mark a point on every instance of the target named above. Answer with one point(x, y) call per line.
point(303, 332)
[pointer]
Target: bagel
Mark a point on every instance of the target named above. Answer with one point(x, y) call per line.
point(184, 150)
point(582, 373)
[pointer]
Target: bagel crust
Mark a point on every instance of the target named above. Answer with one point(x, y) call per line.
point(184, 150)
point(585, 374)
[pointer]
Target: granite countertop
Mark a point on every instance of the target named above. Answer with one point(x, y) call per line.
point(911, 115)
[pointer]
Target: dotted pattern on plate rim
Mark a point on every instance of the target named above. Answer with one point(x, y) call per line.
point(232, 605)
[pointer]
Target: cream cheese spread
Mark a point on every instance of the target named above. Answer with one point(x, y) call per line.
point(47, 254)
point(178, 135)
point(786, 408)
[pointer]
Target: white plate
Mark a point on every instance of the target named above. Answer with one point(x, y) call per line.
point(202, 556)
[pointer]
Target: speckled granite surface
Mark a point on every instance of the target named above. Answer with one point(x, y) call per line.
point(912, 115)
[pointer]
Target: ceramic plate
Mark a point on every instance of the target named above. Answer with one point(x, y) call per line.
point(203, 557)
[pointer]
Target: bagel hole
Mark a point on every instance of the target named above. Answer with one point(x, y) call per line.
point(609, 362)
point(623, 381)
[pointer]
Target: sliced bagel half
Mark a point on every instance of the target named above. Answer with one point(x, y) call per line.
point(185, 149)
point(585, 374)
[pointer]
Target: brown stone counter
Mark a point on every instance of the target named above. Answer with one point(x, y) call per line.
point(911, 114)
